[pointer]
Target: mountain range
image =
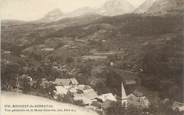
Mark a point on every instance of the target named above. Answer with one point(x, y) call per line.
point(109, 8)
point(156, 7)
point(120, 7)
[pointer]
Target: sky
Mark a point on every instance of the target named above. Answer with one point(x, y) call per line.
point(35, 9)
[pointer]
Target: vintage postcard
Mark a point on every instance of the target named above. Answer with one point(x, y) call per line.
point(92, 57)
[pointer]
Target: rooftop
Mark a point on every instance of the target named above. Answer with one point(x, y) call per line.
point(93, 57)
point(138, 93)
point(66, 82)
point(108, 96)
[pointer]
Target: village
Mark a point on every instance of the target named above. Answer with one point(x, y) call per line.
point(69, 90)
point(66, 88)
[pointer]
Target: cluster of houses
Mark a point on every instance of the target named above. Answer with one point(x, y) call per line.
point(178, 107)
point(85, 95)
point(69, 90)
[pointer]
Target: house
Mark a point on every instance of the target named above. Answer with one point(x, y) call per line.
point(138, 93)
point(130, 82)
point(60, 91)
point(66, 82)
point(129, 78)
point(80, 99)
point(22, 80)
point(96, 103)
point(137, 99)
point(26, 77)
point(90, 93)
point(178, 106)
point(7, 52)
point(48, 49)
point(81, 88)
point(104, 101)
point(104, 53)
point(93, 57)
point(44, 83)
point(84, 95)
point(105, 97)
point(74, 81)
point(107, 104)
point(34, 84)
point(112, 63)
point(60, 68)
point(72, 90)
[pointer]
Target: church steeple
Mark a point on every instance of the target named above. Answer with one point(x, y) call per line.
point(123, 95)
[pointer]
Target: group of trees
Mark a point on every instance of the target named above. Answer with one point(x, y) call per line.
point(117, 109)
point(163, 68)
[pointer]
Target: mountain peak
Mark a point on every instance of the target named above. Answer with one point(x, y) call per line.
point(144, 6)
point(160, 6)
point(81, 11)
point(165, 6)
point(116, 7)
point(53, 15)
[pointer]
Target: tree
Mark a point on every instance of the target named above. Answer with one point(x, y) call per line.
point(117, 109)
point(9, 72)
point(26, 83)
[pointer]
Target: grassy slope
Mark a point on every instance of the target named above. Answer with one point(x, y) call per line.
point(153, 43)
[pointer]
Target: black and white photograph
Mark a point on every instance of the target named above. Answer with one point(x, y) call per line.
point(92, 57)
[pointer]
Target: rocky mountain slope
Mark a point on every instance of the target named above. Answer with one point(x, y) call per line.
point(81, 12)
point(116, 7)
point(166, 6)
point(161, 7)
point(53, 15)
point(144, 6)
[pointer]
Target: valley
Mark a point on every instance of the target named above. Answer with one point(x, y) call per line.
point(141, 49)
